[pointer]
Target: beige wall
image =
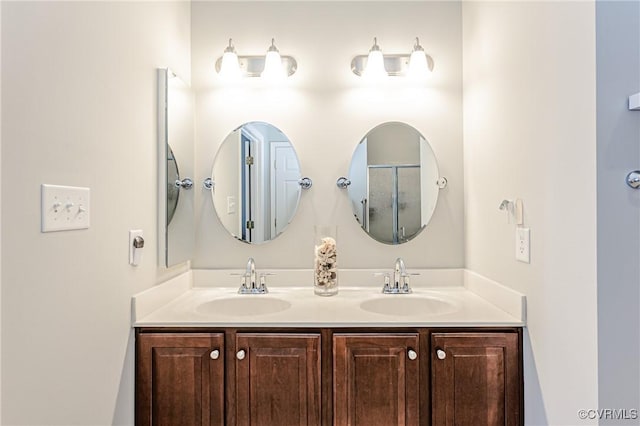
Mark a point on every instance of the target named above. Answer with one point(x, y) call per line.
point(529, 133)
point(326, 110)
point(79, 108)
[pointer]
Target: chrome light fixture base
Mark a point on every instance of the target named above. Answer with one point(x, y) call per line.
point(252, 66)
point(396, 65)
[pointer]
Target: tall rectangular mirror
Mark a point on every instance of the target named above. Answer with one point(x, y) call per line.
point(176, 233)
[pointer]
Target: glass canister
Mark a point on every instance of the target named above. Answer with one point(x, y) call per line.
point(325, 264)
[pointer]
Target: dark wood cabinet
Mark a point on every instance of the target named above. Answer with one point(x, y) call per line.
point(376, 379)
point(180, 379)
point(277, 379)
point(339, 377)
point(476, 379)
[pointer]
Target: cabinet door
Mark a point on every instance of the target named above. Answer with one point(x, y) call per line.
point(375, 379)
point(475, 379)
point(277, 379)
point(180, 379)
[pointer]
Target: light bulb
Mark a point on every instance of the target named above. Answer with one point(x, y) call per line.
point(273, 69)
point(418, 64)
point(375, 63)
point(230, 67)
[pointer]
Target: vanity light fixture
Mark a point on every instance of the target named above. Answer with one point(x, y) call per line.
point(229, 66)
point(272, 66)
point(374, 68)
point(416, 64)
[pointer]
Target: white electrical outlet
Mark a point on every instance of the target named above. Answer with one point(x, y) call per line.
point(64, 208)
point(523, 245)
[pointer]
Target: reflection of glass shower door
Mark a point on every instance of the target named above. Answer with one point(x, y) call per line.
point(409, 205)
point(394, 203)
point(380, 219)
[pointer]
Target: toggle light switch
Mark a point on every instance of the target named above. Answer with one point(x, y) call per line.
point(64, 208)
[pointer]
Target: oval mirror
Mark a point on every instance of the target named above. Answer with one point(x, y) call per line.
point(256, 176)
point(393, 190)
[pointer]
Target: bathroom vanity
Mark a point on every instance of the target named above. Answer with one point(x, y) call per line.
point(361, 376)
point(448, 352)
point(438, 356)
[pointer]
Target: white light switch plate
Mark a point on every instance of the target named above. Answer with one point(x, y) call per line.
point(523, 245)
point(64, 208)
point(231, 205)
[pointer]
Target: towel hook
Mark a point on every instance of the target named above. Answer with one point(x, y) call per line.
point(506, 205)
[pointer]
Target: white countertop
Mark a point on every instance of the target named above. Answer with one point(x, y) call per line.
point(178, 303)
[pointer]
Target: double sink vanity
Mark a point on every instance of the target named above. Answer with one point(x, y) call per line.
point(237, 347)
point(449, 352)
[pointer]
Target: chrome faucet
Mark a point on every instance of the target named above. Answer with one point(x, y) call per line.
point(250, 275)
point(400, 280)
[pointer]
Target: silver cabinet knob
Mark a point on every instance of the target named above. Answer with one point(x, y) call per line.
point(215, 354)
point(441, 354)
point(241, 354)
point(413, 355)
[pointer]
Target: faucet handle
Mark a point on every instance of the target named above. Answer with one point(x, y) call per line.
point(263, 284)
point(243, 283)
point(405, 284)
point(387, 280)
point(263, 281)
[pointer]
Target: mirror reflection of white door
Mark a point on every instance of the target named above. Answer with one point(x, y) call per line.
point(248, 187)
point(285, 173)
point(228, 191)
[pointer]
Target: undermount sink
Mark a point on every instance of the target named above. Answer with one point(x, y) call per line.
point(408, 305)
point(244, 306)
